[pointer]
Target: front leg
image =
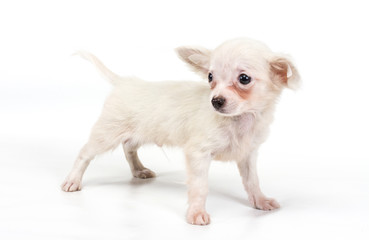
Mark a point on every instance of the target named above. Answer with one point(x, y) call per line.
point(197, 172)
point(247, 168)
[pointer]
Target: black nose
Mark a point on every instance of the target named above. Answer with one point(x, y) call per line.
point(218, 102)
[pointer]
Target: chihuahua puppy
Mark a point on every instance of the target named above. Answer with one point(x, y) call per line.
point(225, 118)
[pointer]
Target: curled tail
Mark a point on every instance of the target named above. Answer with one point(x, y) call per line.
point(104, 71)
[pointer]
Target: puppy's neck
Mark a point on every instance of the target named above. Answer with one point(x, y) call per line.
point(244, 122)
point(250, 122)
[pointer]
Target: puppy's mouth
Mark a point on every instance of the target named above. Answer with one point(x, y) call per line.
point(220, 111)
point(225, 112)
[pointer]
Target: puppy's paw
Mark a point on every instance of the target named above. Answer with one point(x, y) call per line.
point(263, 203)
point(198, 217)
point(144, 173)
point(71, 185)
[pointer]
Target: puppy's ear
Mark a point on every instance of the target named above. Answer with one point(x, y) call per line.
point(284, 72)
point(197, 58)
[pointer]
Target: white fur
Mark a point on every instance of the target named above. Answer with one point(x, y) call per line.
point(181, 114)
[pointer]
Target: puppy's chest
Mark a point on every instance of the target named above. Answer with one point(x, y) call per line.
point(238, 138)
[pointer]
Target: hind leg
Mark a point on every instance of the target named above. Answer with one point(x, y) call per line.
point(73, 180)
point(137, 168)
point(102, 139)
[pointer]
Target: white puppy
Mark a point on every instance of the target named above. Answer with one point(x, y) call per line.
point(225, 118)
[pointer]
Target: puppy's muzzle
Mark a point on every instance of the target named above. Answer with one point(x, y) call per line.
point(218, 102)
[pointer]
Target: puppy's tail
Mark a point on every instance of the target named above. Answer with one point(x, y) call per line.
point(104, 71)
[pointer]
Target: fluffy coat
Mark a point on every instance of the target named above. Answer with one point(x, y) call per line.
point(184, 114)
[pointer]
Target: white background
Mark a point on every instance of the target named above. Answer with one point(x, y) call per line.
point(315, 163)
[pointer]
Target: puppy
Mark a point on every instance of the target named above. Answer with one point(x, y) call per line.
point(225, 118)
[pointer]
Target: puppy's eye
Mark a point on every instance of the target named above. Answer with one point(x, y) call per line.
point(244, 79)
point(210, 77)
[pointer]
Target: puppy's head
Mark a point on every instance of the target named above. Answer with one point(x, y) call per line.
point(244, 75)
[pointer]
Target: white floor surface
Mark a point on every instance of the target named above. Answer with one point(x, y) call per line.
point(318, 202)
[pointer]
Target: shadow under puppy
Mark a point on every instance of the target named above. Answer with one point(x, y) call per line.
point(225, 118)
